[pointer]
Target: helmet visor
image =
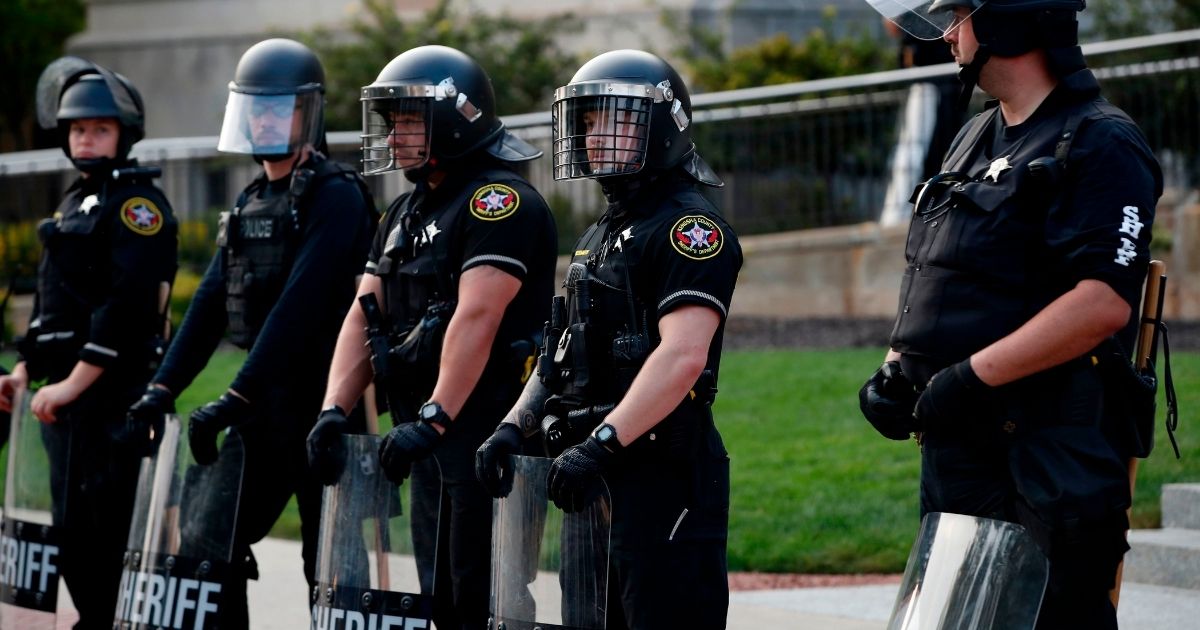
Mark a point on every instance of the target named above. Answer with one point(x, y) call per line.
point(270, 124)
point(927, 20)
point(395, 134)
point(599, 136)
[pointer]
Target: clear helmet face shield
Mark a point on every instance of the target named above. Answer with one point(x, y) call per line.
point(270, 124)
point(397, 133)
point(915, 18)
point(599, 136)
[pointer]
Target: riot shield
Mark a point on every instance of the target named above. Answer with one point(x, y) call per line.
point(29, 547)
point(549, 568)
point(181, 536)
point(367, 562)
point(969, 573)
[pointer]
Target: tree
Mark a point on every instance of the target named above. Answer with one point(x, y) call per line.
point(778, 59)
point(521, 57)
point(32, 33)
point(1113, 19)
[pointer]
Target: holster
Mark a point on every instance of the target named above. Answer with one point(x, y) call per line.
point(1129, 401)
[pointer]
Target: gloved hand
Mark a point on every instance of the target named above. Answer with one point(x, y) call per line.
point(406, 443)
point(952, 399)
point(145, 418)
point(574, 480)
point(887, 400)
point(491, 460)
point(326, 455)
point(209, 420)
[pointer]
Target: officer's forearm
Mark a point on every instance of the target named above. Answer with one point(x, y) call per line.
point(83, 376)
point(668, 373)
point(527, 411)
point(350, 370)
point(468, 342)
point(1075, 323)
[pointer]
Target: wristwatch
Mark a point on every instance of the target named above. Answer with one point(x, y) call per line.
point(606, 435)
point(432, 413)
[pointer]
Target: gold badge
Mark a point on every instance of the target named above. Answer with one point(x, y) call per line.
point(697, 237)
point(494, 202)
point(142, 216)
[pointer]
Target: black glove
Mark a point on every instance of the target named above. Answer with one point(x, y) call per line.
point(574, 480)
point(952, 399)
point(887, 400)
point(144, 420)
point(491, 460)
point(326, 455)
point(211, 419)
point(405, 444)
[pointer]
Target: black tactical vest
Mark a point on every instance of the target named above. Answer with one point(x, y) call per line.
point(260, 237)
point(607, 329)
point(977, 238)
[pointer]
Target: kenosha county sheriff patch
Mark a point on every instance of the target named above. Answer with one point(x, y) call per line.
point(142, 216)
point(494, 202)
point(697, 237)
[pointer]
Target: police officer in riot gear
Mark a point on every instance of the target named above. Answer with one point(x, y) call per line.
point(465, 261)
point(1026, 257)
point(284, 270)
point(108, 254)
point(629, 365)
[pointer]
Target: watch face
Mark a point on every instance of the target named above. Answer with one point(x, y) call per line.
point(605, 433)
point(429, 411)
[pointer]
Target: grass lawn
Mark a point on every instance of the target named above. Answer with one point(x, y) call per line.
point(815, 489)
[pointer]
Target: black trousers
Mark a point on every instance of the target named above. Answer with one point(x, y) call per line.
point(669, 533)
point(452, 532)
point(993, 479)
point(93, 481)
point(276, 468)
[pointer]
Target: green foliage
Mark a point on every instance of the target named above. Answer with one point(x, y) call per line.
point(521, 56)
point(778, 59)
point(19, 250)
point(1113, 19)
point(32, 33)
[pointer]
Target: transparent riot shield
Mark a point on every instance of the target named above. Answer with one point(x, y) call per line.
point(376, 556)
point(549, 568)
point(181, 536)
point(969, 573)
point(30, 543)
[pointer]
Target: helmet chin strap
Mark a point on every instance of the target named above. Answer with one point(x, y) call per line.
point(968, 75)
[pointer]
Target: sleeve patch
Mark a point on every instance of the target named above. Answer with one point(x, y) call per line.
point(697, 237)
point(494, 202)
point(140, 215)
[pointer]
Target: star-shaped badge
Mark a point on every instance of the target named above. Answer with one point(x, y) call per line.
point(89, 202)
point(431, 231)
point(625, 235)
point(998, 166)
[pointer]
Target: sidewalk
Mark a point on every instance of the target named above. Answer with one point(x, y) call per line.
point(278, 601)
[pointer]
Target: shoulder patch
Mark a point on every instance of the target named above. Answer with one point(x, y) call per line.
point(494, 202)
point(697, 237)
point(142, 216)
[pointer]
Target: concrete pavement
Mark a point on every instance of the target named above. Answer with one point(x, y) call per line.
point(278, 601)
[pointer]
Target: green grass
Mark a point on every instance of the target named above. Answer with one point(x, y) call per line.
point(815, 489)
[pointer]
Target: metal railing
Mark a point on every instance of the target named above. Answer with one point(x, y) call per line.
point(810, 154)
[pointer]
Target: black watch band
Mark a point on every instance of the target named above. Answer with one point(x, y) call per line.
point(606, 435)
point(432, 413)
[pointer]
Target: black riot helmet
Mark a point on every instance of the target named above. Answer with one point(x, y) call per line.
point(428, 107)
point(71, 88)
point(625, 112)
point(1008, 28)
point(276, 102)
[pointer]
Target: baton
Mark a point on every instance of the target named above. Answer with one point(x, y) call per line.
point(1147, 351)
point(370, 308)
